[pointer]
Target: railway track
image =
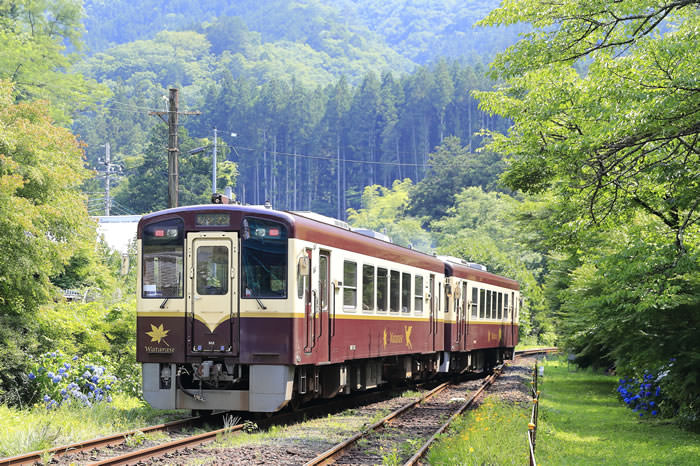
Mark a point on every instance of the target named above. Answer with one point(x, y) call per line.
point(97, 443)
point(447, 402)
point(421, 419)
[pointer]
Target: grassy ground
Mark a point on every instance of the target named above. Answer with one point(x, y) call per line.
point(25, 430)
point(581, 423)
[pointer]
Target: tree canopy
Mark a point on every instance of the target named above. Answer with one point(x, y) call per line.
point(605, 99)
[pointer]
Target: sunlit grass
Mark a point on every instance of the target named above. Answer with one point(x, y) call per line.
point(582, 422)
point(492, 434)
point(32, 429)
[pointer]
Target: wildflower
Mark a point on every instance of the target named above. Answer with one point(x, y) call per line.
point(109, 399)
point(47, 398)
point(66, 365)
point(50, 374)
point(654, 413)
point(56, 379)
point(471, 450)
point(61, 370)
point(31, 376)
point(94, 379)
point(75, 358)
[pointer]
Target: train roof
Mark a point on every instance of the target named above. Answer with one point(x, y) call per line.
point(466, 272)
point(300, 227)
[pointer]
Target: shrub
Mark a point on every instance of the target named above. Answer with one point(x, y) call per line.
point(58, 379)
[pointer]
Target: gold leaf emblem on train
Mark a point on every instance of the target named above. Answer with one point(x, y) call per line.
point(158, 333)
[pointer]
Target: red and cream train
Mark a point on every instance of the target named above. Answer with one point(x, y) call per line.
point(247, 308)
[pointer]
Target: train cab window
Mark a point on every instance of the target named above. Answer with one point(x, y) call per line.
point(394, 290)
point(475, 302)
point(505, 306)
point(482, 303)
point(500, 306)
point(163, 248)
point(263, 259)
point(418, 294)
point(212, 270)
point(382, 289)
point(367, 287)
point(406, 292)
point(350, 284)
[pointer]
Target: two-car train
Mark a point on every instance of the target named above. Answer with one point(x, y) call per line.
point(247, 308)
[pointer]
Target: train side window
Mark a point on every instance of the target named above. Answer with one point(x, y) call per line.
point(406, 292)
point(500, 306)
point(303, 273)
point(475, 302)
point(482, 303)
point(493, 305)
point(505, 306)
point(350, 284)
point(368, 287)
point(488, 304)
point(382, 291)
point(394, 290)
point(418, 294)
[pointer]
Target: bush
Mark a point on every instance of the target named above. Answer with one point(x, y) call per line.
point(58, 379)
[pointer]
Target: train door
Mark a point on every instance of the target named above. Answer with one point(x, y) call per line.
point(457, 308)
point(464, 302)
point(512, 318)
point(323, 334)
point(212, 295)
point(433, 311)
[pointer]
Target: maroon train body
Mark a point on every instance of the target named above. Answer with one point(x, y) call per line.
point(247, 308)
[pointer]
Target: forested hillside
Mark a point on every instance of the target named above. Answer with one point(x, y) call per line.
point(420, 31)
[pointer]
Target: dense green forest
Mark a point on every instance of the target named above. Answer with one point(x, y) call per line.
point(569, 163)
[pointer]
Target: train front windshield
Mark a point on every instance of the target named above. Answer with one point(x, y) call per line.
point(163, 259)
point(264, 259)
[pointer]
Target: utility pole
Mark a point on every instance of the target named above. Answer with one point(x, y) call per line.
point(213, 168)
point(173, 147)
point(110, 169)
point(108, 165)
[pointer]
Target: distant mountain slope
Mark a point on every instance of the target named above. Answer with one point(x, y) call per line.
point(417, 30)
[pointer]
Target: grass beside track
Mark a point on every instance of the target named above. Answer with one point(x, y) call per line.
point(581, 422)
point(32, 429)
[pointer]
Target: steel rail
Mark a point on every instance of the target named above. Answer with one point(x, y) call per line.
point(551, 349)
point(158, 450)
point(487, 382)
point(114, 439)
point(329, 456)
